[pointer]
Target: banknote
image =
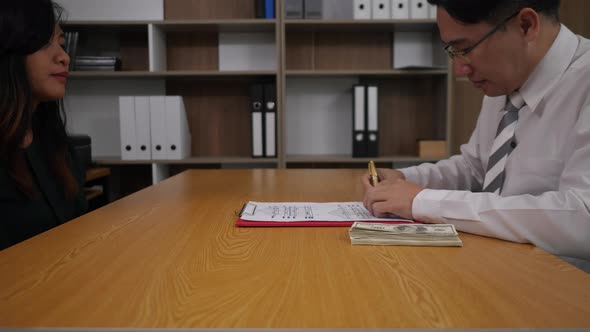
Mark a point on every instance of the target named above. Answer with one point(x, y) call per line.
point(404, 234)
point(419, 229)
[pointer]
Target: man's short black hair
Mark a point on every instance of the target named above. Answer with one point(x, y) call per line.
point(495, 11)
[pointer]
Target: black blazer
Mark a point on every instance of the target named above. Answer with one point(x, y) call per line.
point(21, 217)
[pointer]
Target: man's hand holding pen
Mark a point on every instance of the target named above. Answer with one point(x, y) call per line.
point(390, 194)
point(383, 174)
point(373, 176)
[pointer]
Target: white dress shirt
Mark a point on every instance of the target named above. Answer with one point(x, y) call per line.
point(546, 195)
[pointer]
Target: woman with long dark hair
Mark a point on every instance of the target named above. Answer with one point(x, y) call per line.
point(40, 178)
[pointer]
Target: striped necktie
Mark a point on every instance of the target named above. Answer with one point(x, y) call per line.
point(503, 145)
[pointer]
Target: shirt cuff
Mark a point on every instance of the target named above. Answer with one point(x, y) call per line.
point(426, 206)
point(411, 174)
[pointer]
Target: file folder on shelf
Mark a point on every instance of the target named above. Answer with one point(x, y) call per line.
point(127, 128)
point(293, 9)
point(419, 9)
point(269, 9)
point(372, 121)
point(270, 120)
point(158, 127)
point(313, 9)
point(400, 9)
point(362, 9)
point(338, 9)
point(381, 9)
point(359, 134)
point(257, 109)
point(178, 138)
point(259, 8)
point(142, 128)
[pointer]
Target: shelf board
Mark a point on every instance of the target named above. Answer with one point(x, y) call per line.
point(213, 73)
point(187, 161)
point(105, 25)
point(304, 159)
point(241, 25)
point(164, 74)
point(350, 24)
point(353, 21)
point(246, 21)
point(360, 72)
point(224, 25)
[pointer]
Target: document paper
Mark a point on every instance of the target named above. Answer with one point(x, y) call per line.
point(300, 211)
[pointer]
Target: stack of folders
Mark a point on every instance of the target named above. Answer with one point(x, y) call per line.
point(365, 121)
point(97, 63)
point(439, 235)
point(154, 128)
point(264, 120)
point(264, 8)
point(359, 9)
point(308, 9)
point(393, 9)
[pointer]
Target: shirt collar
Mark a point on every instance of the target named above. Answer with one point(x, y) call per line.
point(550, 69)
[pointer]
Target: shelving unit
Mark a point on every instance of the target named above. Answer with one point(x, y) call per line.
point(166, 74)
point(317, 62)
point(372, 73)
point(180, 56)
point(188, 161)
point(333, 159)
point(324, 58)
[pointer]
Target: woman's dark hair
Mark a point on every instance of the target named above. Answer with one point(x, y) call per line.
point(27, 26)
point(495, 11)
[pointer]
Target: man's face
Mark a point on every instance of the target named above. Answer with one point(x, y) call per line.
point(498, 65)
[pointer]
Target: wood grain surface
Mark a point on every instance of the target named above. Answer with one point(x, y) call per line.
point(170, 256)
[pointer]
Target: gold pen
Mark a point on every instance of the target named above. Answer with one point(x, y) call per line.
point(373, 173)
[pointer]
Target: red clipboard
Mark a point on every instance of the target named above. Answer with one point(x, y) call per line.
point(245, 223)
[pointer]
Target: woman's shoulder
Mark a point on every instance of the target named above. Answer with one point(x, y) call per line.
point(7, 185)
point(3, 172)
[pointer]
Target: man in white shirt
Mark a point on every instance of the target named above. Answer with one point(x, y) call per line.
point(524, 175)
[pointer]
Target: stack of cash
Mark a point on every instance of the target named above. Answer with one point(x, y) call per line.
point(404, 234)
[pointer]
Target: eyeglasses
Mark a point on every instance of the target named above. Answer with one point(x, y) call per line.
point(462, 54)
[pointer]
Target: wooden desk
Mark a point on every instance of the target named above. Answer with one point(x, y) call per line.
point(170, 256)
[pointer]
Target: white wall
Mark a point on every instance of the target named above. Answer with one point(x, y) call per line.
point(318, 118)
point(98, 10)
